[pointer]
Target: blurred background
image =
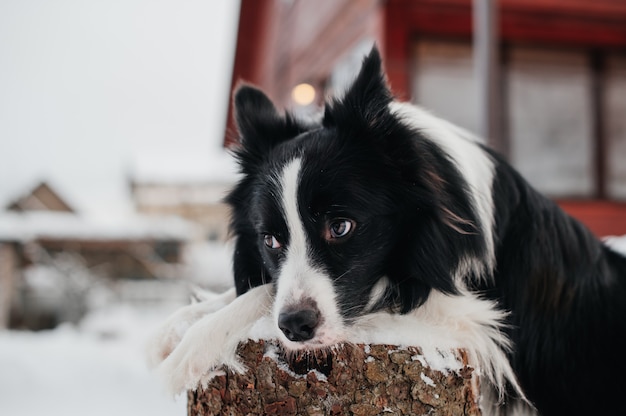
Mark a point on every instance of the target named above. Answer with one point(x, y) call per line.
point(115, 118)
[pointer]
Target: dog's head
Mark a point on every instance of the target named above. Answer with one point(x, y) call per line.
point(358, 212)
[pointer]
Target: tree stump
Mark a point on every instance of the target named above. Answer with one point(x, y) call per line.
point(346, 380)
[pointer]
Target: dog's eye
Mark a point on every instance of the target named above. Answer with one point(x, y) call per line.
point(271, 242)
point(339, 229)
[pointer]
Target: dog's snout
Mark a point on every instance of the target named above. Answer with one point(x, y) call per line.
point(299, 325)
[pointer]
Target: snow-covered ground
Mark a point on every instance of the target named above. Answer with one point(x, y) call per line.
point(98, 366)
point(95, 368)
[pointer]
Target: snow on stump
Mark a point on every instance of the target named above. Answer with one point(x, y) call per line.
point(360, 380)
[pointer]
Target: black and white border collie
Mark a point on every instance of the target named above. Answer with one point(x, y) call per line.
point(383, 223)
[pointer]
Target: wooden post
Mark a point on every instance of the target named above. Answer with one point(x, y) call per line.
point(357, 380)
point(8, 266)
point(486, 69)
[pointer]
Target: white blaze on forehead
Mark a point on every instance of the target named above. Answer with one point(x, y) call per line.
point(298, 279)
point(290, 283)
point(289, 182)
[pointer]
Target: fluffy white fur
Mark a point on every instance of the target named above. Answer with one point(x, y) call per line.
point(208, 343)
point(168, 336)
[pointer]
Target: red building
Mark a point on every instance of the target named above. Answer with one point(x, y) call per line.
point(562, 119)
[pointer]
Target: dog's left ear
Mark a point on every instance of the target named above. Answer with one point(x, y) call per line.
point(254, 111)
point(366, 100)
point(260, 125)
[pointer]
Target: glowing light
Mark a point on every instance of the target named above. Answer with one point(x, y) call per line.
point(303, 94)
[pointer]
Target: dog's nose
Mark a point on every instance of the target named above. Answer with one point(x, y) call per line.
point(299, 325)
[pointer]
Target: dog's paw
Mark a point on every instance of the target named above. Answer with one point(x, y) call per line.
point(171, 332)
point(206, 348)
point(211, 343)
point(164, 341)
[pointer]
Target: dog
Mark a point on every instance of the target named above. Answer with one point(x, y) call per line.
point(380, 222)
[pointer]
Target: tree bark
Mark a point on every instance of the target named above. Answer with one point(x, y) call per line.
point(359, 380)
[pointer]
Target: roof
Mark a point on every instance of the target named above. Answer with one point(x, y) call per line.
point(29, 226)
point(216, 167)
point(41, 198)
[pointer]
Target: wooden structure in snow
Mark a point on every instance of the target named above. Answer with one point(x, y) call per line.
point(47, 247)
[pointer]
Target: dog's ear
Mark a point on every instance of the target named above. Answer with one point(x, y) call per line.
point(442, 240)
point(260, 125)
point(248, 266)
point(254, 111)
point(367, 100)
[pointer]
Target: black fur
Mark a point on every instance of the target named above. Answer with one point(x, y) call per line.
point(416, 223)
point(567, 295)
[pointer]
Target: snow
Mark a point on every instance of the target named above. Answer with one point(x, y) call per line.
point(95, 368)
point(441, 360)
point(208, 264)
point(88, 87)
point(32, 225)
point(429, 381)
point(98, 366)
point(617, 243)
point(216, 166)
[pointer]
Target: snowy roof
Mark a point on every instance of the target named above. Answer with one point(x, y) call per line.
point(41, 197)
point(29, 226)
point(217, 166)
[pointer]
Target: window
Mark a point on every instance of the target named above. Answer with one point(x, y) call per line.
point(550, 111)
point(615, 125)
point(549, 120)
point(443, 81)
